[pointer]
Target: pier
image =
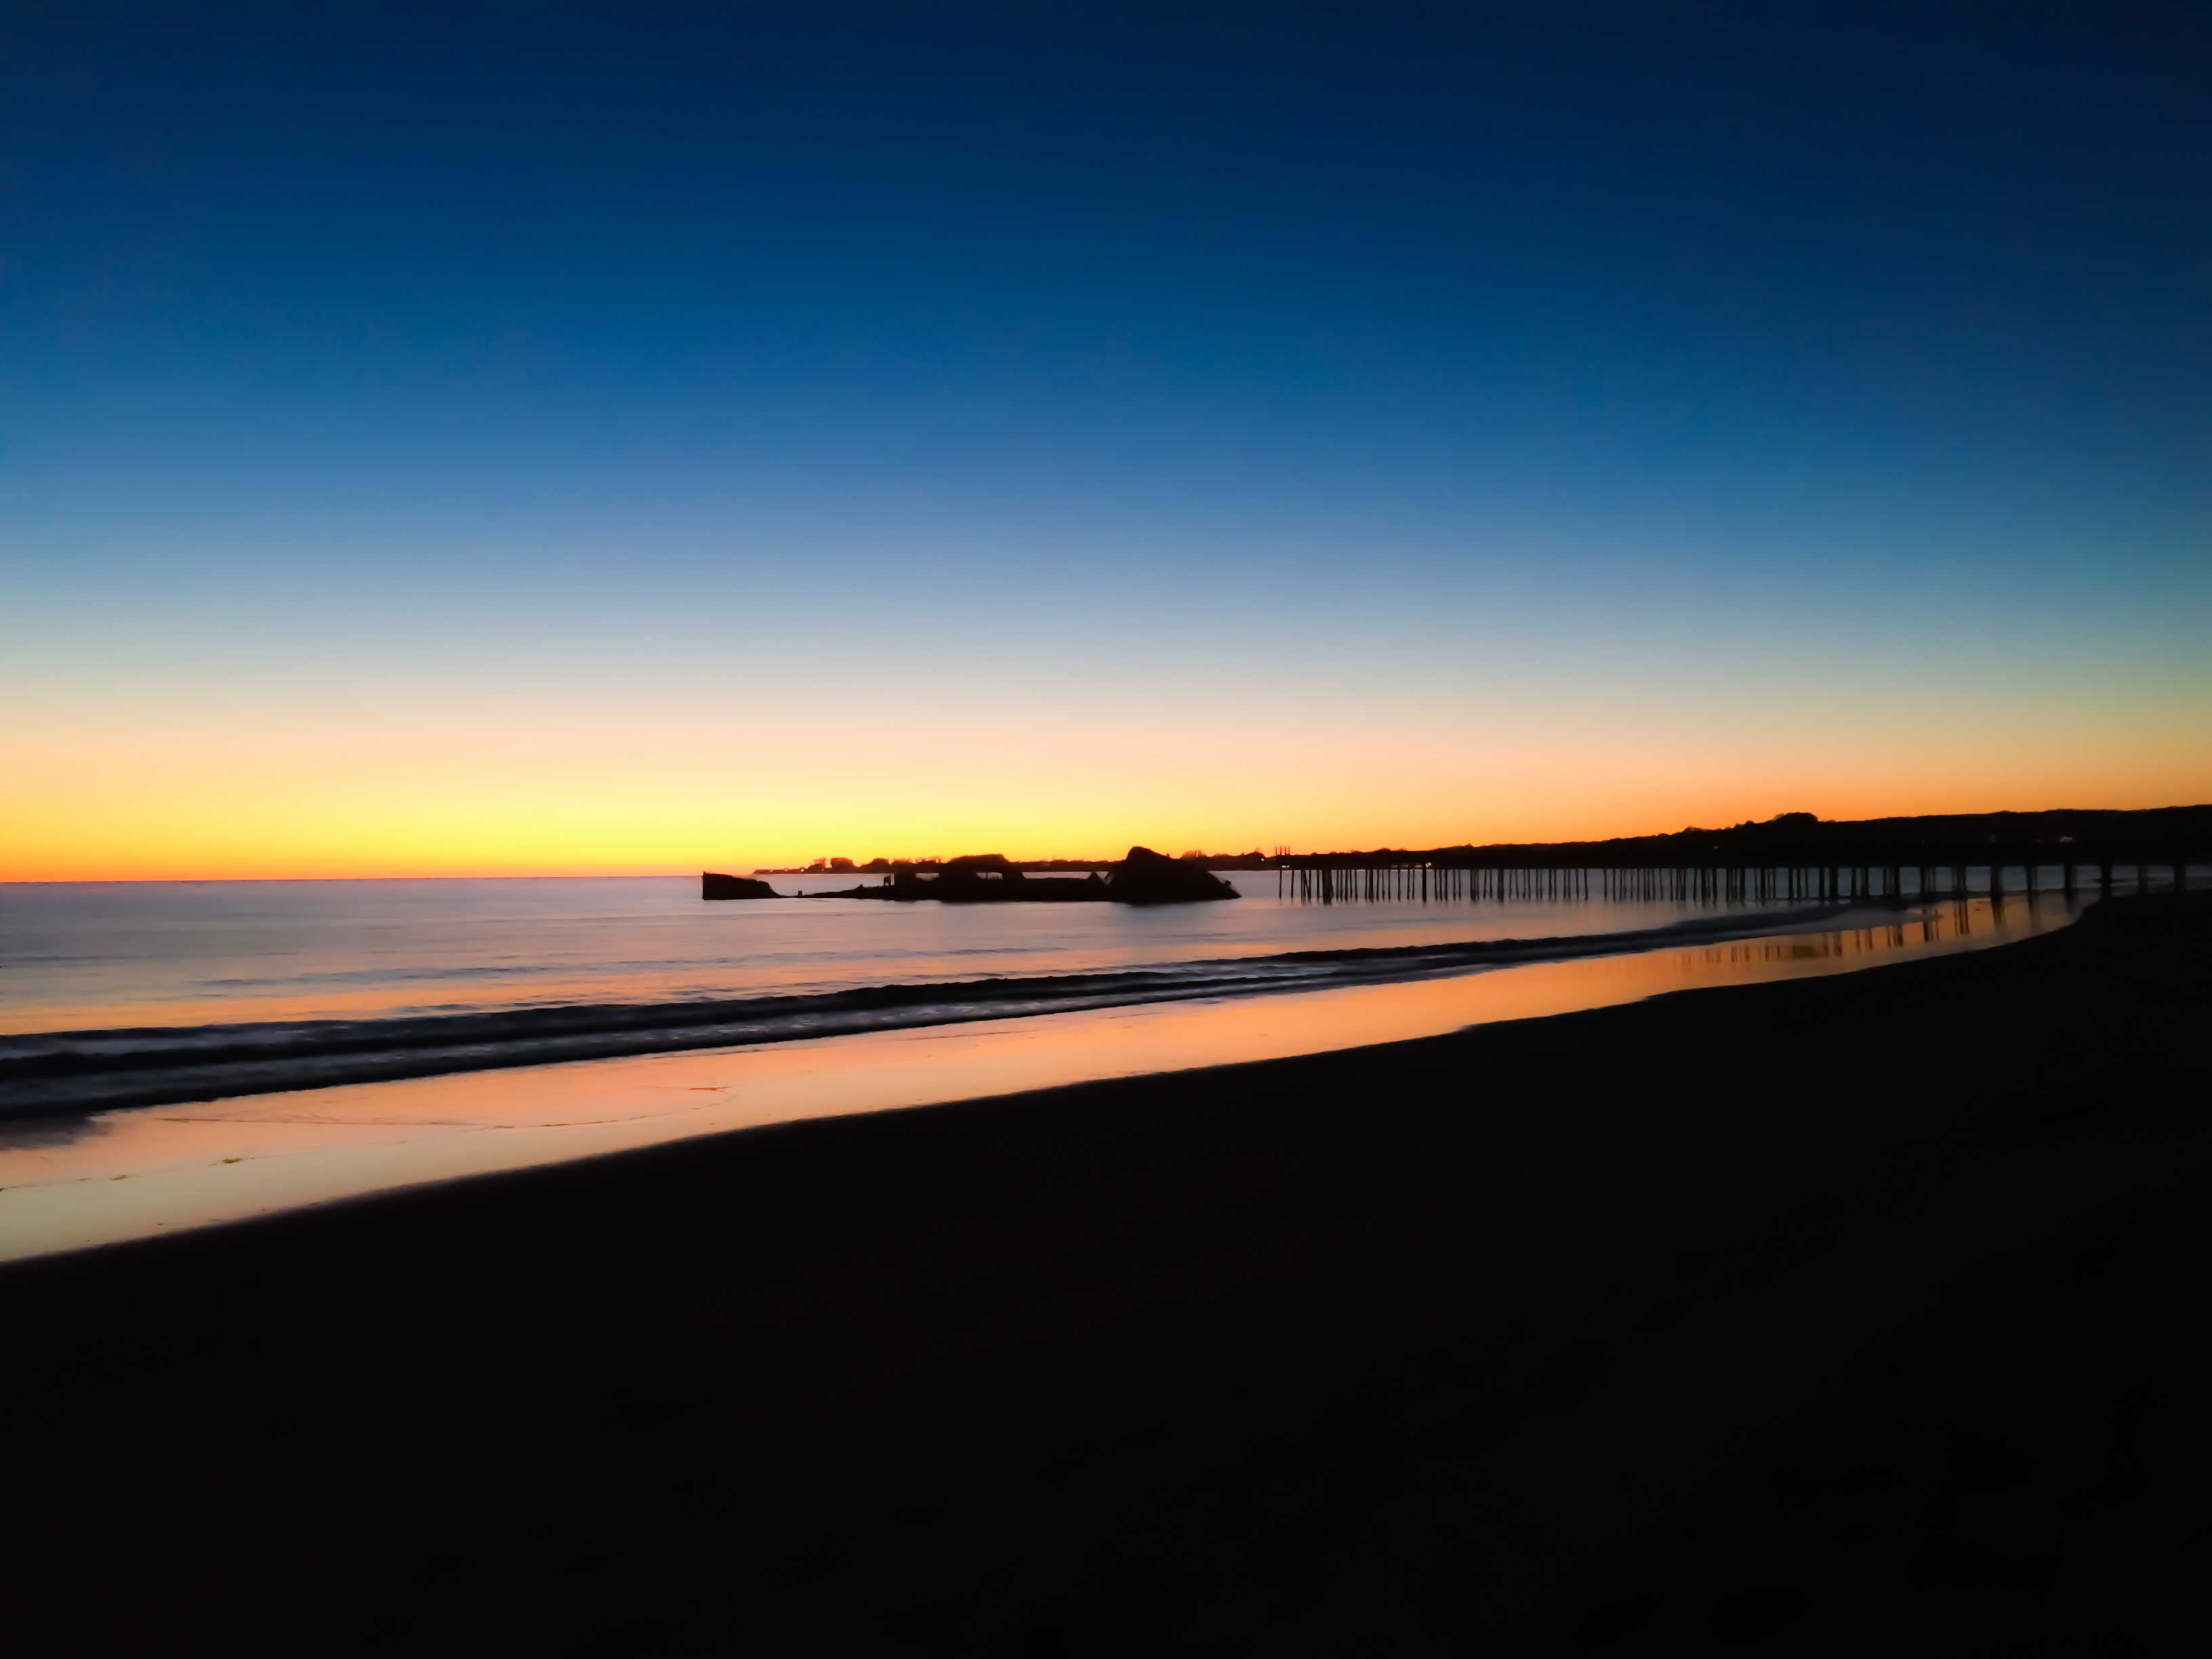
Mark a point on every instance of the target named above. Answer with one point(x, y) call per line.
point(1795, 858)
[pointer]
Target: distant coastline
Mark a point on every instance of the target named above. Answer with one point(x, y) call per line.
point(2152, 836)
point(2149, 835)
point(1255, 860)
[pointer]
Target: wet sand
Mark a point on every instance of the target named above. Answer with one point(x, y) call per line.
point(1838, 1309)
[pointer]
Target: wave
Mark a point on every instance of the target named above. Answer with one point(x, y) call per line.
point(55, 1072)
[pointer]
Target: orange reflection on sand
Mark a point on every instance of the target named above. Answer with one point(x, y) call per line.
point(132, 1174)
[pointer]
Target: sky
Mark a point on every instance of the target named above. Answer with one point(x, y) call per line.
point(527, 438)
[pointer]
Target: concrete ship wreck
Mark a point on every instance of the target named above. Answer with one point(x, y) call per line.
point(1144, 877)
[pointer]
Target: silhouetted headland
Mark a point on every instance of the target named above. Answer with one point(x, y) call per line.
point(713, 886)
point(1144, 877)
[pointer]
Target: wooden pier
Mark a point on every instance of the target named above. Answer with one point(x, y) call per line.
point(1794, 859)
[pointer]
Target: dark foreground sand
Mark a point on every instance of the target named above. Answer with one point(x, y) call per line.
point(1833, 1316)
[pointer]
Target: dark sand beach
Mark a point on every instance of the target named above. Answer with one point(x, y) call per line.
point(1822, 1316)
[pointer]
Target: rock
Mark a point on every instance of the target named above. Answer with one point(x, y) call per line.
point(1148, 878)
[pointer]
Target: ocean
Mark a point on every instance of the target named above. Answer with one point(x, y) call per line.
point(109, 955)
point(135, 993)
point(172, 1054)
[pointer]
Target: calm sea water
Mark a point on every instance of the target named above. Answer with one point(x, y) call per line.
point(76, 956)
point(117, 995)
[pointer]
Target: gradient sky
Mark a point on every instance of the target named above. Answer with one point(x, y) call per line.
point(537, 438)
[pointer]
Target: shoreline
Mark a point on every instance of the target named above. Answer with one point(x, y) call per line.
point(50, 1073)
point(1370, 1350)
point(75, 1182)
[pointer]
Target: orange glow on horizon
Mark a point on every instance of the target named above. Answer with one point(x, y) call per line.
point(461, 803)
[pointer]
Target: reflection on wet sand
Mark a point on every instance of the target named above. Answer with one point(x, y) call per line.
point(124, 1175)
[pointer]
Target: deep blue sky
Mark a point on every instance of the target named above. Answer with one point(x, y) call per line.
point(1732, 369)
